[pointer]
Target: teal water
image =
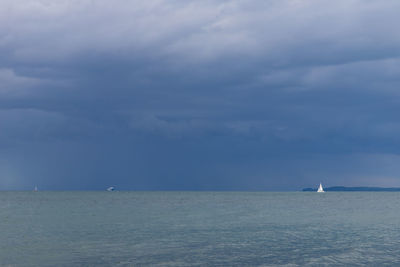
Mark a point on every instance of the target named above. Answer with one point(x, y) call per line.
point(199, 228)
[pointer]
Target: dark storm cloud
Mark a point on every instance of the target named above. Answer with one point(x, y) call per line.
point(198, 94)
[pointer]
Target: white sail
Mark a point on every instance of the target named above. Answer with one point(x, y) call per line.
point(320, 189)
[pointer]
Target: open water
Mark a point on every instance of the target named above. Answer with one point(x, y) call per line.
point(199, 229)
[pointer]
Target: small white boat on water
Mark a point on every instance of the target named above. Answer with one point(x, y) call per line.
point(35, 189)
point(320, 189)
point(111, 188)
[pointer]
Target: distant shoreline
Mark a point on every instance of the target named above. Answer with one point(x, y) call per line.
point(355, 189)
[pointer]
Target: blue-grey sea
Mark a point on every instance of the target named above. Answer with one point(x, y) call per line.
point(199, 228)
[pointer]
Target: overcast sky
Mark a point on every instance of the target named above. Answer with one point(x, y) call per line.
point(199, 95)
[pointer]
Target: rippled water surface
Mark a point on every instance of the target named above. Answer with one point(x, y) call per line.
point(199, 228)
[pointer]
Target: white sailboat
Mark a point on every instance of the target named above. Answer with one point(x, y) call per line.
point(320, 189)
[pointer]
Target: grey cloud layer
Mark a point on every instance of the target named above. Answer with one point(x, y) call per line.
point(256, 84)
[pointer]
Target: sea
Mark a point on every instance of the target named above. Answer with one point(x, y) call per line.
point(199, 228)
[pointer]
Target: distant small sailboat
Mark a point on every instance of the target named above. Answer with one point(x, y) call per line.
point(35, 189)
point(320, 189)
point(111, 188)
